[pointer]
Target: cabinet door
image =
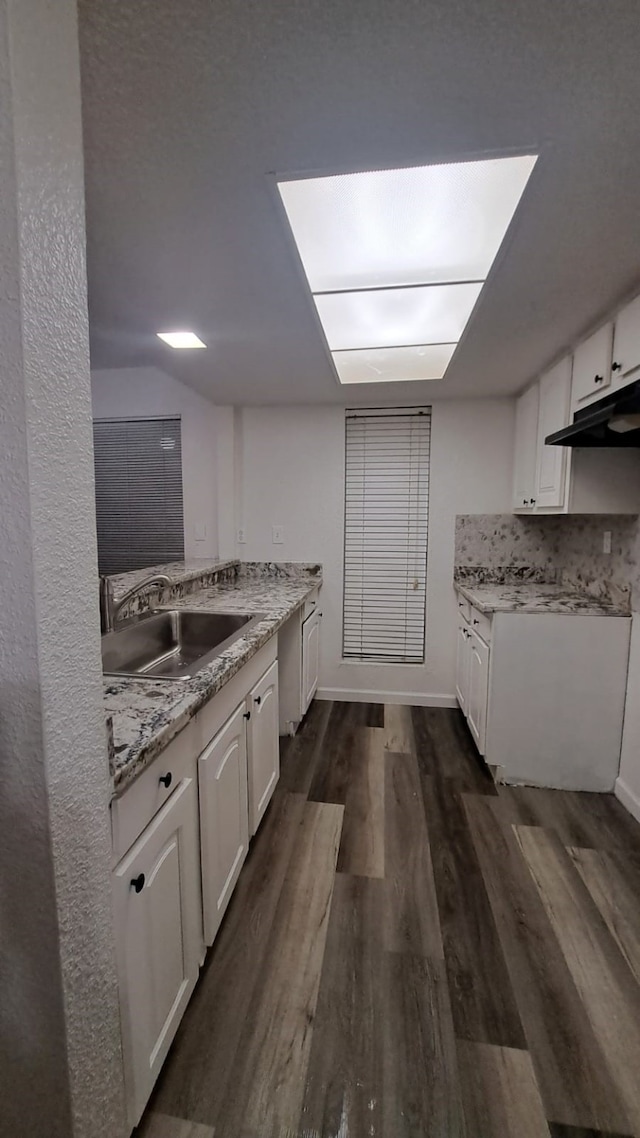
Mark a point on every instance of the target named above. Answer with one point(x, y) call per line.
point(524, 466)
point(552, 466)
point(626, 345)
point(224, 818)
point(478, 689)
point(157, 923)
point(592, 368)
point(264, 745)
point(310, 658)
point(462, 665)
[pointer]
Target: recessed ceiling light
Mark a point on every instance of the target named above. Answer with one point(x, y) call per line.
point(396, 259)
point(181, 339)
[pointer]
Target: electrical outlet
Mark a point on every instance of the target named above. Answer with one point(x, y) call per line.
point(277, 535)
point(241, 535)
point(606, 541)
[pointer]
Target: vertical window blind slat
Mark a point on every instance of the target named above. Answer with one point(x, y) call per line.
point(139, 509)
point(385, 542)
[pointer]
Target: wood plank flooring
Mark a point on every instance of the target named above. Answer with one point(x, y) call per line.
point(413, 953)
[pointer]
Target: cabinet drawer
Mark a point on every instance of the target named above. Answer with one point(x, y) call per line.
point(464, 608)
point(480, 623)
point(140, 802)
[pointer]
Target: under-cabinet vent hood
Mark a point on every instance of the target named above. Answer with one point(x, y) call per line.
point(613, 421)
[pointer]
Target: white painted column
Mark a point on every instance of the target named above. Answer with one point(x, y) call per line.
point(60, 1063)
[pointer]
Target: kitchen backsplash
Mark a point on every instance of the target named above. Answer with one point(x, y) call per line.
point(565, 549)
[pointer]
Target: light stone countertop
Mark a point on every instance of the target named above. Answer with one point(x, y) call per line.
point(178, 572)
point(147, 714)
point(532, 597)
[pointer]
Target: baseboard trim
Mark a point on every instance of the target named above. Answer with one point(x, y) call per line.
point(629, 800)
point(421, 699)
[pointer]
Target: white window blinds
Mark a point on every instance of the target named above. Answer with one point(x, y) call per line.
point(385, 542)
point(138, 465)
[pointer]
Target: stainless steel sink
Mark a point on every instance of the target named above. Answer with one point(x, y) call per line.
point(171, 645)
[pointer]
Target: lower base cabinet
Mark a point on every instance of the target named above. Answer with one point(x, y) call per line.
point(263, 745)
point(543, 695)
point(181, 831)
point(156, 891)
point(224, 818)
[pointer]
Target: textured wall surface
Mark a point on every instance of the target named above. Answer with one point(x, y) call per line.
point(61, 1069)
point(565, 547)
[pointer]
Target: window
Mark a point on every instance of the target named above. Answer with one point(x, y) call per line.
point(385, 535)
point(138, 465)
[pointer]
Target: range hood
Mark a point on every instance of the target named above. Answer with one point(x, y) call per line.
point(613, 421)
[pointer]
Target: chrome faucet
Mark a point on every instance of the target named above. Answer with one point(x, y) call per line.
point(110, 609)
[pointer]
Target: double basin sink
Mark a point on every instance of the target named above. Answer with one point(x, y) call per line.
point(172, 644)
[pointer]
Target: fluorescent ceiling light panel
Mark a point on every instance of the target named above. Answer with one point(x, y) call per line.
point(181, 339)
point(393, 365)
point(395, 317)
point(366, 239)
point(413, 226)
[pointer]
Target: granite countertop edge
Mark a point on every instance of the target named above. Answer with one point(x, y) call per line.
point(187, 697)
point(537, 598)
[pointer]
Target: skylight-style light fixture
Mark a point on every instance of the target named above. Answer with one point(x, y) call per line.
point(396, 259)
point(181, 339)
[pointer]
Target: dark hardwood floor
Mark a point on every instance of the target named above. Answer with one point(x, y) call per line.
point(413, 952)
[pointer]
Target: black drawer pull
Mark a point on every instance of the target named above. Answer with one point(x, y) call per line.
point(616, 367)
point(476, 621)
point(165, 779)
point(137, 883)
point(247, 715)
point(598, 379)
point(257, 699)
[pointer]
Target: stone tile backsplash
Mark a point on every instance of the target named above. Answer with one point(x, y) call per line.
point(563, 549)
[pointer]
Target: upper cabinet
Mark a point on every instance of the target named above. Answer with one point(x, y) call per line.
point(526, 450)
point(592, 368)
point(626, 345)
point(553, 415)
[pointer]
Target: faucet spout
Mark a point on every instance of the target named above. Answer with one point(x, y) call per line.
point(110, 609)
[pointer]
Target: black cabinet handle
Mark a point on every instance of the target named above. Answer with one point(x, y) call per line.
point(598, 379)
point(320, 614)
point(247, 715)
point(137, 883)
point(165, 779)
point(257, 699)
point(616, 366)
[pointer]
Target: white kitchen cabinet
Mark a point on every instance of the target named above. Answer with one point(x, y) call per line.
point(263, 745)
point(477, 688)
point(592, 368)
point(525, 455)
point(299, 657)
point(553, 414)
point(626, 345)
point(310, 657)
point(157, 912)
point(544, 693)
point(462, 664)
point(224, 817)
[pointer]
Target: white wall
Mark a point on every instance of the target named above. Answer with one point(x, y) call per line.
point(291, 473)
point(149, 391)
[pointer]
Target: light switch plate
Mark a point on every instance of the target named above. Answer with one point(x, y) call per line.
point(200, 531)
point(277, 535)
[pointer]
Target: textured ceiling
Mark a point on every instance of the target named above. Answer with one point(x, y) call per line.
point(189, 106)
